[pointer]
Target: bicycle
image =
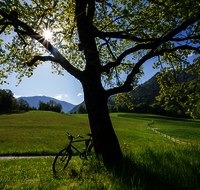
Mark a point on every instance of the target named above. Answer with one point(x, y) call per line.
point(64, 156)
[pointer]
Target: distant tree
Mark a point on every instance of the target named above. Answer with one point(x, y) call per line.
point(15, 104)
point(42, 106)
point(143, 108)
point(157, 109)
point(112, 108)
point(7, 101)
point(3, 95)
point(122, 107)
point(57, 108)
point(198, 109)
point(33, 108)
point(82, 109)
point(52, 103)
point(50, 106)
point(171, 111)
point(24, 105)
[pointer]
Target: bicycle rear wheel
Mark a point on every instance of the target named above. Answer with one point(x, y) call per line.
point(61, 160)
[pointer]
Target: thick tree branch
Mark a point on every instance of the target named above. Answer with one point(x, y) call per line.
point(127, 84)
point(122, 35)
point(40, 58)
point(126, 87)
point(58, 57)
point(116, 63)
point(153, 45)
point(16, 21)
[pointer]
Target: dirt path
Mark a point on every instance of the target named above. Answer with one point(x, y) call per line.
point(22, 157)
point(173, 139)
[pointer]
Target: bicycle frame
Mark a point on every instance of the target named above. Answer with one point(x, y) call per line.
point(70, 146)
point(64, 156)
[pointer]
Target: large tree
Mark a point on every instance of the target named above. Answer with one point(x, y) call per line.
point(97, 41)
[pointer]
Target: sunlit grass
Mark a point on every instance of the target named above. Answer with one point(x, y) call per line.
point(149, 167)
point(44, 133)
point(151, 161)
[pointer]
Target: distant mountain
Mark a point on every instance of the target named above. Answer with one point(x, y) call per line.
point(34, 102)
point(147, 91)
point(75, 108)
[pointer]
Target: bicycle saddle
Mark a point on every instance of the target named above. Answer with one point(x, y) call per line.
point(89, 134)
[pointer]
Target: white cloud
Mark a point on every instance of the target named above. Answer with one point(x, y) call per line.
point(66, 95)
point(80, 94)
point(58, 97)
point(17, 96)
point(39, 94)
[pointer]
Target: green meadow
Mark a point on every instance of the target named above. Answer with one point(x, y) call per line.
point(151, 161)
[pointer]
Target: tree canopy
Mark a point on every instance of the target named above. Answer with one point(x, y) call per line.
point(97, 41)
point(168, 30)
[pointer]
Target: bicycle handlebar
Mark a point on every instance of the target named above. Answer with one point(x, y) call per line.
point(73, 136)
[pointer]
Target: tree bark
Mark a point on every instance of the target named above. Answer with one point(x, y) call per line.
point(106, 144)
point(105, 140)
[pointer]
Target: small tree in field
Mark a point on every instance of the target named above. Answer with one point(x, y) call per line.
point(97, 42)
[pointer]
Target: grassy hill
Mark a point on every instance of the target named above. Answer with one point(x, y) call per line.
point(151, 161)
point(44, 133)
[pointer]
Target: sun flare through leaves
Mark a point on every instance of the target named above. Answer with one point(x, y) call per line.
point(47, 34)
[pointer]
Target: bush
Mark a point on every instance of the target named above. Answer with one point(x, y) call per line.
point(82, 109)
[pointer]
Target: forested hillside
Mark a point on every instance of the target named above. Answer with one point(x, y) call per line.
point(147, 99)
point(146, 92)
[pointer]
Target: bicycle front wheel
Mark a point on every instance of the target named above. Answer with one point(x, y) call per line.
point(61, 160)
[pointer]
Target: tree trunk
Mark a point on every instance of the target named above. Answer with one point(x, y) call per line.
point(106, 144)
point(105, 141)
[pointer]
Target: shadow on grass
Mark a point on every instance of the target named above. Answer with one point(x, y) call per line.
point(146, 117)
point(155, 170)
point(11, 112)
point(151, 170)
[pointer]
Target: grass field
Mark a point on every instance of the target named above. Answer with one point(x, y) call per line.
point(151, 160)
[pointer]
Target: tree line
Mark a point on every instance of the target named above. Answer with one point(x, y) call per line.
point(180, 101)
point(9, 103)
point(50, 106)
point(155, 108)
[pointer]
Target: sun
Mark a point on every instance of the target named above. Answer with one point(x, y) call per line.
point(47, 34)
